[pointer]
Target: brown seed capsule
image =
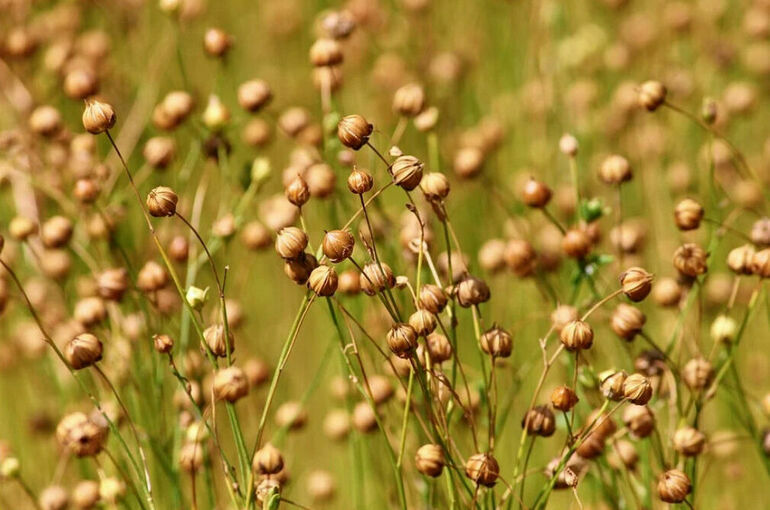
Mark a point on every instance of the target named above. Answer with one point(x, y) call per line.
point(438, 347)
point(323, 281)
point(253, 95)
point(688, 214)
point(435, 186)
point(760, 232)
point(592, 446)
point(80, 435)
point(423, 322)
point(698, 374)
point(216, 42)
point(230, 384)
point(760, 263)
point(45, 121)
point(627, 321)
point(291, 415)
point(639, 420)
point(85, 495)
point(266, 489)
point(353, 131)
point(690, 260)
point(520, 257)
point(256, 133)
point(326, 52)
point(673, 486)
point(338, 245)
point(360, 181)
point(299, 269)
point(568, 145)
point(298, 192)
point(739, 259)
point(429, 460)
point(576, 243)
point(162, 343)
point(159, 151)
point(409, 100)
point(468, 162)
point(161, 202)
point(402, 340)
point(98, 117)
point(349, 282)
point(267, 460)
point(152, 277)
point(376, 277)
point(471, 291)
point(637, 389)
point(90, 311)
point(615, 170)
point(215, 339)
point(53, 497)
point(83, 351)
point(179, 249)
point(667, 292)
point(407, 172)
point(689, 441)
point(536, 193)
point(563, 315)
point(80, 84)
point(636, 283)
point(611, 384)
point(86, 190)
point(496, 342)
point(432, 298)
point(483, 469)
point(191, 457)
point(21, 228)
point(577, 335)
point(539, 421)
point(112, 283)
point(652, 94)
point(291, 242)
point(563, 398)
point(56, 232)
point(178, 104)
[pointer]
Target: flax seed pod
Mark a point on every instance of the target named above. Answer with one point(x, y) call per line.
point(423, 322)
point(80, 84)
point(53, 497)
point(407, 172)
point(483, 469)
point(698, 374)
point(592, 446)
point(539, 421)
point(615, 170)
point(90, 311)
point(83, 351)
point(760, 232)
point(151, 277)
point(326, 52)
point(409, 100)
point(468, 162)
point(688, 214)
point(86, 190)
point(21, 228)
point(381, 389)
point(320, 180)
point(297, 192)
point(536, 194)
point(667, 292)
point(637, 389)
point(690, 260)
point(435, 186)
point(577, 335)
point(191, 457)
point(56, 232)
point(300, 268)
point(636, 283)
point(217, 42)
point(639, 420)
point(364, 420)
point(230, 384)
point(611, 384)
point(376, 277)
point(520, 257)
point(471, 291)
point(429, 460)
point(323, 281)
point(45, 121)
point(80, 436)
point(253, 95)
point(338, 245)
point(354, 131)
point(576, 243)
point(360, 181)
point(290, 242)
point(162, 201)
point(159, 151)
point(496, 342)
point(439, 348)
point(739, 259)
point(85, 495)
point(98, 117)
point(563, 398)
point(255, 236)
point(215, 339)
point(689, 441)
point(673, 486)
point(760, 263)
point(402, 340)
point(216, 115)
point(432, 298)
point(492, 255)
point(267, 460)
point(627, 321)
point(652, 94)
point(723, 329)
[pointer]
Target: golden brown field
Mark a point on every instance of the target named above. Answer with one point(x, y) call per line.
point(403, 254)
